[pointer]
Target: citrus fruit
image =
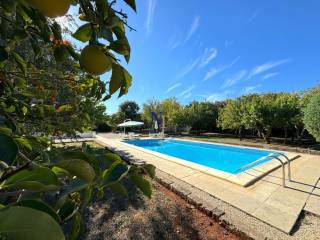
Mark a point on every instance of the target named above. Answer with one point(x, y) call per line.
point(51, 8)
point(94, 61)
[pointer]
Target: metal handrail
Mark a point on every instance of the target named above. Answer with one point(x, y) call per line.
point(289, 165)
point(274, 157)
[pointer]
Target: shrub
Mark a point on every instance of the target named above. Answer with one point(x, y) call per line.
point(311, 117)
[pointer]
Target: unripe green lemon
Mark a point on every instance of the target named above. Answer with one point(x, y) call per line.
point(94, 61)
point(51, 8)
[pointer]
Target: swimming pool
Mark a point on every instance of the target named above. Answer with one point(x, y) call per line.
point(224, 158)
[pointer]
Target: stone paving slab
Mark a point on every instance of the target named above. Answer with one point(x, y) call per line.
point(266, 199)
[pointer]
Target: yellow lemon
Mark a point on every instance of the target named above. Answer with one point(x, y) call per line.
point(94, 61)
point(51, 8)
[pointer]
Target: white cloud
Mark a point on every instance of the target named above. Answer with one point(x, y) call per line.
point(194, 27)
point(266, 66)
point(218, 96)
point(187, 95)
point(235, 79)
point(214, 71)
point(173, 87)
point(208, 55)
point(186, 91)
point(150, 13)
point(269, 75)
point(218, 69)
point(192, 64)
point(251, 89)
point(253, 16)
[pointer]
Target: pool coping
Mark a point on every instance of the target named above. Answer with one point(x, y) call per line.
point(245, 178)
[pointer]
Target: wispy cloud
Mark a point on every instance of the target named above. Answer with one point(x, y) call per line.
point(173, 87)
point(193, 28)
point(208, 55)
point(253, 16)
point(266, 66)
point(187, 95)
point(235, 79)
point(218, 96)
point(150, 13)
point(214, 71)
point(251, 89)
point(191, 65)
point(218, 69)
point(269, 75)
point(186, 91)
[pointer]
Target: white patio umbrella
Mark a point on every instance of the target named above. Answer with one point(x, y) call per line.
point(129, 123)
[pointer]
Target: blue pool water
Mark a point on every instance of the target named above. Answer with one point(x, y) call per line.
point(224, 158)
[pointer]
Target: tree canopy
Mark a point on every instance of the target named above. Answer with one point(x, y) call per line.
point(45, 92)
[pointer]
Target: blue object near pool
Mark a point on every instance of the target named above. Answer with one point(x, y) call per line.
point(221, 157)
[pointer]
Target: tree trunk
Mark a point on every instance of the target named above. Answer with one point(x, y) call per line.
point(285, 135)
point(240, 133)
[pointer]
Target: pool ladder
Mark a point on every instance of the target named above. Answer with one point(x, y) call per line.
point(278, 159)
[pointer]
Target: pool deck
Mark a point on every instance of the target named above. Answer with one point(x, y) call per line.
point(266, 199)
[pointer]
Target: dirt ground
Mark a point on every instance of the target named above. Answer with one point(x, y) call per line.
point(164, 216)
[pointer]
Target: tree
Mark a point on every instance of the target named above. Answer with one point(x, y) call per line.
point(150, 106)
point(288, 111)
point(230, 116)
point(169, 108)
point(203, 116)
point(130, 110)
point(43, 92)
point(311, 117)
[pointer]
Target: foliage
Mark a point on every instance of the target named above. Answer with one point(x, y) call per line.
point(129, 110)
point(261, 113)
point(203, 116)
point(43, 93)
point(312, 116)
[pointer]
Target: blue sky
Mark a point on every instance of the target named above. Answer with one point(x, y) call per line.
point(212, 49)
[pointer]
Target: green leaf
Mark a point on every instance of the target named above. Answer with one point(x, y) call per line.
point(78, 167)
point(64, 108)
point(106, 33)
point(150, 170)
point(121, 46)
point(20, 61)
point(21, 223)
point(75, 185)
point(24, 110)
point(80, 155)
point(120, 78)
point(118, 188)
point(39, 205)
point(115, 173)
point(36, 179)
point(83, 33)
point(76, 226)
point(6, 131)
point(8, 149)
point(68, 209)
point(86, 196)
point(142, 184)
point(132, 4)
point(3, 54)
point(24, 142)
point(127, 81)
